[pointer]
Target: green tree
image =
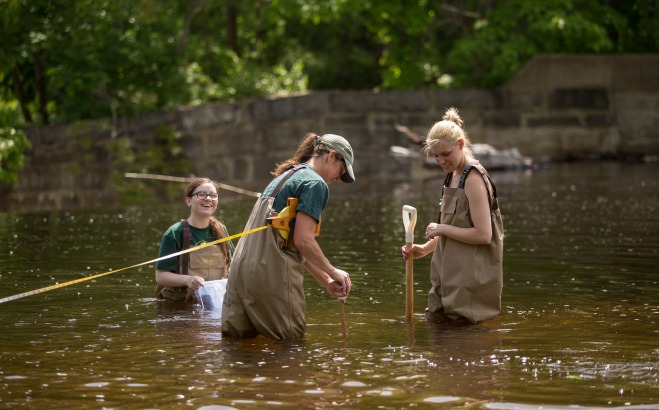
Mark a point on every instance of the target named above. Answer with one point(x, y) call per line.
point(63, 61)
point(67, 60)
point(13, 144)
point(641, 34)
point(516, 30)
point(75, 59)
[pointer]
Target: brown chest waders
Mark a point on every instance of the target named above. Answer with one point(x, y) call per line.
point(265, 292)
point(466, 279)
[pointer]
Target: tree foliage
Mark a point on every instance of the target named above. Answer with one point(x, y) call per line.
point(68, 60)
point(516, 30)
point(13, 144)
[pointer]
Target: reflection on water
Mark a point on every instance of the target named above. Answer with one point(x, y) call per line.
point(579, 325)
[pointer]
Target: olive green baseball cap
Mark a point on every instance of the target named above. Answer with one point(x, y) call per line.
point(342, 146)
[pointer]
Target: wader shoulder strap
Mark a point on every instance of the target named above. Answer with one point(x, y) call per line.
point(468, 167)
point(461, 183)
point(293, 170)
point(185, 258)
point(494, 202)
point(447, 180)
point(491, 196)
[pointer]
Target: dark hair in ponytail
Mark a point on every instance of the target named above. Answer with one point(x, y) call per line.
point(307, 149)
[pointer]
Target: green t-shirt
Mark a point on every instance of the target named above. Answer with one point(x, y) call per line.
point(172, 242)
point(306, 185)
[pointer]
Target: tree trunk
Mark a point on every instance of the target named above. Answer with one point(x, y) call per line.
point(232, 26)
point(40, 77)
point(195, 7)
point(20, 93)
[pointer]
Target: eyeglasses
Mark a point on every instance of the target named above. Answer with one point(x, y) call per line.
point(204, 195)
point(344, 168)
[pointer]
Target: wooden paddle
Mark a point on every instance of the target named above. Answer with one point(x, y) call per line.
point(409, 221)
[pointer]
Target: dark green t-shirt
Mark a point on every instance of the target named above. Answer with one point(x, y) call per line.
point(172, 242)
point(306, 185)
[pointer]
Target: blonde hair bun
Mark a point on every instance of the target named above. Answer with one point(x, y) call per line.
point(452, 115)
point(449, 130)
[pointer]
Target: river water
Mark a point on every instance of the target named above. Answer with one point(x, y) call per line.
point(579, 325)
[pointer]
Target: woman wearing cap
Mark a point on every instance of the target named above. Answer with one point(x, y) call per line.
point(466, 271)
point(265, 293)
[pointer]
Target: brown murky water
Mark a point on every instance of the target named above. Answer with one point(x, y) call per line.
point(580, 324)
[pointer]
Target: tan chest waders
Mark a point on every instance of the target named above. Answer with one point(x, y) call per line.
point(466, 279)
point(208, 263)
point(265, 293)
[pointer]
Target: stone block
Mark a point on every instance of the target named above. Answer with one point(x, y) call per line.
point(583, 98)
point(391, 101)
point(311, 105)
point(193, 146)
point(522, 101)
point(553, 121)
point(582, 144)
point(603, 120)
point(146, 121)
point(242, 169)
point(466, 98)
point(420, 123)
point(259, 110)
point(208, 115)
point(506, 119)
point(282, 109)
point(297, 107)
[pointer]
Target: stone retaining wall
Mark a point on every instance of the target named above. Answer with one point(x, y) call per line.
point(561, 107)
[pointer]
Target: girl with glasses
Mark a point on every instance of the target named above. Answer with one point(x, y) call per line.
point(177, 278)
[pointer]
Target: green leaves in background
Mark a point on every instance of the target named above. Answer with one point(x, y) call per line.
point(68, 60)
point(63, 61)
point(13, 144)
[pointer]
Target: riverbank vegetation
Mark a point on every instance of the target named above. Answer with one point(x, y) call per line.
point(63, 61)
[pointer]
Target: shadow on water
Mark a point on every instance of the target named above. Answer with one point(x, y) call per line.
point(578, 325)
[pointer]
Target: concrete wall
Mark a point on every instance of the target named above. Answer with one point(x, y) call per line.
point(560, 106)
point(582, 106)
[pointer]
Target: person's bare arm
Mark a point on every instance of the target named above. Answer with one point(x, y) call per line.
point(171, 279)
point(479, 208)
point(419, 251)
point(315, 261)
